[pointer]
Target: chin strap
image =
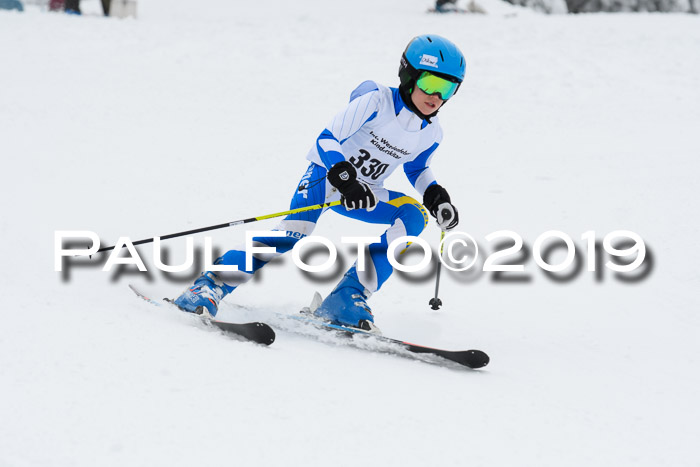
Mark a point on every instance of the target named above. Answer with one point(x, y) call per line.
point(405, 93)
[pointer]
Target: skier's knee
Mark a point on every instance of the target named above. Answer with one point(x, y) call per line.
point(414, 217)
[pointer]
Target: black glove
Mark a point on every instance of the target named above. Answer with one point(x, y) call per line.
point(437, 201)
point(354, 193)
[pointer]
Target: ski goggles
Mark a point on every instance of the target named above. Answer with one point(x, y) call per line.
point(433, 84)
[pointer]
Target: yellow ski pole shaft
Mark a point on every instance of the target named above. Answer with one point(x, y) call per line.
point(232, 223)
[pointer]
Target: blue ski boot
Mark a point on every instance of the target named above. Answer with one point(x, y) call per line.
point(347, 305)
point(204, 295)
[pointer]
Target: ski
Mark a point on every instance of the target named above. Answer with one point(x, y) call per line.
point(259, 333)
point(470, 358)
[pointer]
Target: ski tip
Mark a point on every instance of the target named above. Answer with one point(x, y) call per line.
point(260, 333)
point(476, 359)
point(264, 334)
point(142, 295)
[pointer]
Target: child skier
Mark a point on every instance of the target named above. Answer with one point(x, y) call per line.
point(380, 129)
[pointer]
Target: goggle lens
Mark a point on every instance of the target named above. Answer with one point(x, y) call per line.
point(432, 84)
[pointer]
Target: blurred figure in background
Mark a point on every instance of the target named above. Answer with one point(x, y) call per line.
point(56, 5)
point(73, 6)
point(11, 5)
point(444, 6)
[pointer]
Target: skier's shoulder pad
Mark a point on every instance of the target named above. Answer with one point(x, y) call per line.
point(365, 88)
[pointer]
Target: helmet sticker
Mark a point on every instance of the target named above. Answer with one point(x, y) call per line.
point(428, 60)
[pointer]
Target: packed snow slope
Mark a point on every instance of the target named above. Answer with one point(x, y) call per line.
point(199, 113)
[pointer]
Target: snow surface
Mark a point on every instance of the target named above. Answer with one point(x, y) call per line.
point(201, 113)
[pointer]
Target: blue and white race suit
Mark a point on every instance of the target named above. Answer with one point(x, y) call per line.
point(376, 132)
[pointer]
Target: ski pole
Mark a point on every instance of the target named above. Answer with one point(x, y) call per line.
point(232, 223)
point(435, 302)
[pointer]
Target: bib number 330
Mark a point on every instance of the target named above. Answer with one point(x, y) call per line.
point(373, 169)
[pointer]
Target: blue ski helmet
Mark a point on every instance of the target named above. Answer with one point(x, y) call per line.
point(432, 53)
